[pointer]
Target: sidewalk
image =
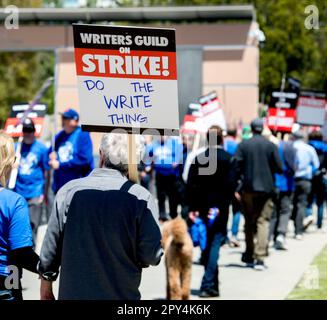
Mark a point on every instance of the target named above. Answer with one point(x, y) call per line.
point(285, 269)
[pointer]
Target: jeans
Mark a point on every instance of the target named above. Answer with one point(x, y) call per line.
point(9, 294)
point(281, 215)
point(236, 216)
point(236, 223)
point(211, 256)
point(302, 191)
point(317, 195)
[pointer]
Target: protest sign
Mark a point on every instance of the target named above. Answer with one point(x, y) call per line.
point(282, 111)
point(127, 78)
point(211, 110)
point(13, 127)
point(311, 108)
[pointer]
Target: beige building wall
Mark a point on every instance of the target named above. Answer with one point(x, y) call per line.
point(235, 77)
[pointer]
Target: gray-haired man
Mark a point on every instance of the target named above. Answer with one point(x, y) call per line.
point(102, 232)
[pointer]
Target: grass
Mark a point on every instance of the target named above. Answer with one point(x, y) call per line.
point(313, 284)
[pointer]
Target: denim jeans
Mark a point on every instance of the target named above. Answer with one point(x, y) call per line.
point(318, 196)
point(236, 223)
point(300, 202)
point(211, 256)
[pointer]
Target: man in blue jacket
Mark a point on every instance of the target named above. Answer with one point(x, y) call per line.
point(73, 156)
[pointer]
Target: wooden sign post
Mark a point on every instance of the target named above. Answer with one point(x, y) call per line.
point(132, 159)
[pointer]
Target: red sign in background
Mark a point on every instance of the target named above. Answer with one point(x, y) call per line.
point(15, 131)
point(281, 119)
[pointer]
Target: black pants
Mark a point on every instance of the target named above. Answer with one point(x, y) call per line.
point(302, 191)
point(167, 187)
point(10, 294)
point(281, 215)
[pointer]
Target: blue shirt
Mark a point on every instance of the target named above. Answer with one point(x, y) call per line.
point(230, 146)
point(307, 161)
point(285, 181)
point(15, 228)
point(75, 156)
point(34, 162)
point(165, 155)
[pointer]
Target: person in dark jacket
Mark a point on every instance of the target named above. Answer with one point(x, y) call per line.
point(318, 187)
point(257, 159)
point(103, 230)
point(209, 192)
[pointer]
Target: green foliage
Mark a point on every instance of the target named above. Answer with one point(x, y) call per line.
point(21, 76)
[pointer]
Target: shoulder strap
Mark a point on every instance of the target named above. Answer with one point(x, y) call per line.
point(126, 186)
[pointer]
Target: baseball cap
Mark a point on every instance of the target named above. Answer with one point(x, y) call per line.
point(70, 114)
point(28, 125)
point(257, 125)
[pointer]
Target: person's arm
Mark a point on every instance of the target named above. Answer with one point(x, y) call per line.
point(191, 195)
point(51, 248)
point(50, 257)
point(315, 160)
point(149, 250)
point(20, 252)
point(24, 258)
point(276, 164)
point(83, 155)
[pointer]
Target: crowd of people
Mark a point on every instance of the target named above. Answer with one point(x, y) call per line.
point(103, 227)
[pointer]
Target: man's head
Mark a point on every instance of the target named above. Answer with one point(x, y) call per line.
point(232, 132)
point(70, 119)
point(114, 151)
point(316, 135)
point(215, 136)
point(299, 135)
point(257, 126)
point(28, 131)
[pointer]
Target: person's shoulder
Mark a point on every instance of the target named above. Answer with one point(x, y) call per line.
point(72, 184)
point(84, 135)
point(12, 197)
point(140, 192)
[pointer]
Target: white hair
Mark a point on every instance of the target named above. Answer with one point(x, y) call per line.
point(114, 147)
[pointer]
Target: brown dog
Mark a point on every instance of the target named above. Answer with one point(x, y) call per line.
point(178, 247)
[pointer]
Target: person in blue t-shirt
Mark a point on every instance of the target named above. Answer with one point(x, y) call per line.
point(73, 156)
point(33, 174)
point(15, 231)
point(166, 155)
